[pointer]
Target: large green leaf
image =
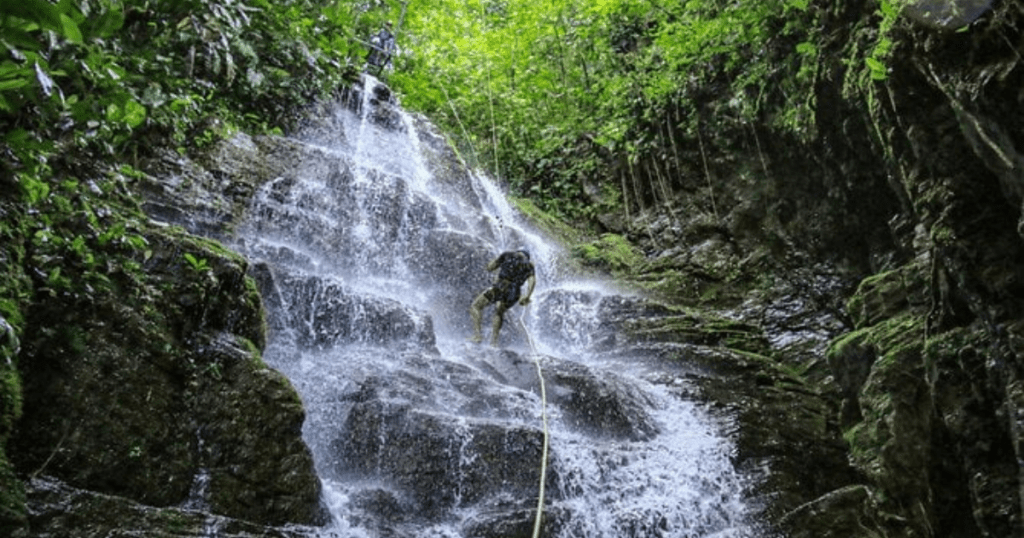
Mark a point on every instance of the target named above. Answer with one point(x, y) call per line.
point(70, 30)
point(14, 76)
point(105, 25)
point(38, 11)
point(134, 113)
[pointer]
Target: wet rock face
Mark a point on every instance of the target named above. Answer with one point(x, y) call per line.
point(59, 510)
point(254, 464)
point(933, 365)
point(922, 366)
point(321, 314)
point(462, 443)
point(601, 406)
point(439, 461)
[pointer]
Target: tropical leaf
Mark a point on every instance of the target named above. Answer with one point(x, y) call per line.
point(70, 30)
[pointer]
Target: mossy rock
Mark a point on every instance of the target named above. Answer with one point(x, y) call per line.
point(12, 498)
point(885, 294)
point(848, 512)
point(62, 511)
point(610, 252)
point(890, 443)
point(703, 329)
point(117, 385)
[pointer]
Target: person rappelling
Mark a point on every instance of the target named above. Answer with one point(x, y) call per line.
point(514, 270)
point(382, 46)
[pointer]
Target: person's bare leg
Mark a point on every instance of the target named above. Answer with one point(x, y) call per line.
point(476, 313)
point(499, 318)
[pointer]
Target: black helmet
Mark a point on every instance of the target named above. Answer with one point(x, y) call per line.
point(525, 253)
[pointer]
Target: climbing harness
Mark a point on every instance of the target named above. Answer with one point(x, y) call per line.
point(544, 421)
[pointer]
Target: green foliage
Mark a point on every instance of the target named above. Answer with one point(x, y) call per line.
point(12, 497)
point(104, 80)
point(199, 265)
point(545, 94)
point(102, 77)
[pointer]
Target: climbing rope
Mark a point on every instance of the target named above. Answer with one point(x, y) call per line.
point(544, 421)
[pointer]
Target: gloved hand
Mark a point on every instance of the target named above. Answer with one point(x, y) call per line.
point(524, 301)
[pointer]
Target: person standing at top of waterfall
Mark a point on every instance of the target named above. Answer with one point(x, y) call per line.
point(514, 270)
point(381, 46)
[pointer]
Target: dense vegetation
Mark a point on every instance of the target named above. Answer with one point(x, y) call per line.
point(550, 92)
point(541, 94)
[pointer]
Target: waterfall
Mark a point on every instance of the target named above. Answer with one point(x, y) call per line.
point(368, 256)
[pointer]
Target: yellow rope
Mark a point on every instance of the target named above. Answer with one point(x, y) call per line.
point(544, 420)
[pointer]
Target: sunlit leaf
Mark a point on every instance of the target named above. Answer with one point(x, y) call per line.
point(888, 9)
point(70, 30)
point(878, 69)
point(134, 113)
point(107, 24)
point(13, 83)
point(114, 112)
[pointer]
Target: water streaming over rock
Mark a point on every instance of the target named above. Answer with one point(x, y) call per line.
point(368, 256)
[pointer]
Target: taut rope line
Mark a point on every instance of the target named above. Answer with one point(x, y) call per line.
point(544, 421)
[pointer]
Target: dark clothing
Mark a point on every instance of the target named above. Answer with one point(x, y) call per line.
point(513, 270)
point(381, 46)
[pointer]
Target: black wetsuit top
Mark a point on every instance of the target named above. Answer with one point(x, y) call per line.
point(514, 269)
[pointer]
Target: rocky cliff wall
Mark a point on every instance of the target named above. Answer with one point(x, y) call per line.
point(900, 222)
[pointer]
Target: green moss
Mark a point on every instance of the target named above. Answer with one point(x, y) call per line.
point(610, 252)
point(680, 325)
point(673, 285)
point(953, 342)
point(887, 401)
point(10, 400)
point(551, 225)
point(173, 521)
point(865, 441)
point(887, 294)
point(254, 351)
point(12, 496)
point(888, 336)
point(943, 235)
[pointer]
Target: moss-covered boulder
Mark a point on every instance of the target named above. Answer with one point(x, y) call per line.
point(140, 388)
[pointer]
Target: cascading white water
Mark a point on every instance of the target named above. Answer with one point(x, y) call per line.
point(352, 240)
